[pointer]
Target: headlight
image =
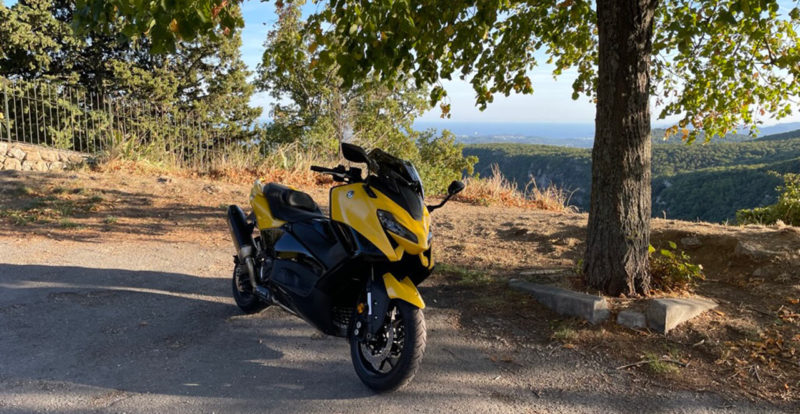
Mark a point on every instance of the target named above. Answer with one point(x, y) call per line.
point(390, 224)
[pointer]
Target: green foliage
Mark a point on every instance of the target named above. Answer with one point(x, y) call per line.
point(787, 209)
point(204, 76)
point(441, 160)
point(690, 182)
point(314, 108)
point(717, 64)
point(672, 269)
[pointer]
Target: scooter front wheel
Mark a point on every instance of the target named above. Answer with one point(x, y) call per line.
point(390, 359)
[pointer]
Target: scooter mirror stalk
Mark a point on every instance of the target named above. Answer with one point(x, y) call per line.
point(454, 188)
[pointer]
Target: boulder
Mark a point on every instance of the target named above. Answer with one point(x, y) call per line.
point(27, 166)
point(17, 153)
point(40, 166)
point(33, 156)
point(49, 156)
point(12, 164)
point(3, 148)
point(691, 241)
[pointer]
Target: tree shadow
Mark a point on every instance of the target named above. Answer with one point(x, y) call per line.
point(172, 334)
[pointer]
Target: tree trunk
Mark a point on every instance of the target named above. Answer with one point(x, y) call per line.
point(616, 259)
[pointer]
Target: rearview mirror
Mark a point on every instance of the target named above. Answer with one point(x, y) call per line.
point(455, 188)
point(354, 153)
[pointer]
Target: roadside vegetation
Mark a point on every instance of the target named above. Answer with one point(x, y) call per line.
point(690, 182)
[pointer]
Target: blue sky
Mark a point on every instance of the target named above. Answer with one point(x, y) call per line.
point(551, 101)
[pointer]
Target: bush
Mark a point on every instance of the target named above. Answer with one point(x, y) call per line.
point(672, 269)
point(787, 209)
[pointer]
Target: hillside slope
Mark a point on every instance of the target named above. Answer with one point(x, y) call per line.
point(706, 182)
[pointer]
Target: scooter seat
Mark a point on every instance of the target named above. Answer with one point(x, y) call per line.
point(290, 205)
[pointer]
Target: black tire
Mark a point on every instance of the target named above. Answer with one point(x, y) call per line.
point(243, 292)
point(402, 369)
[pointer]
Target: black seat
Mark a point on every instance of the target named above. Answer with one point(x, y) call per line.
point(290, 205)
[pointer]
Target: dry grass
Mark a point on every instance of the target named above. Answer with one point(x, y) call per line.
point(499, 191)
point(287, 164)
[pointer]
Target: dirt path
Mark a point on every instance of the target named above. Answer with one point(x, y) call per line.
point(149, 326)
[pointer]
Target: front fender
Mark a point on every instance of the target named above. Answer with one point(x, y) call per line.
point(403, 290)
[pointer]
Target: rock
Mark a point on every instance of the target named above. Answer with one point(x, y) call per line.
point(632, 319)
point(665, 314)
point(12, 164)
point(27, 166)
point(754, 252)
point(3, 148)
point(56, 165)
point(32, 156)
point(164, 179)
point(40, 166)
point(566, 302)
point(49, 156)
point(75, 158)
point(211, 188)
point(17, 153)
point(63, 157)
point(691, 241)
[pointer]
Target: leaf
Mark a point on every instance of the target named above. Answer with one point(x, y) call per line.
point(672, 245)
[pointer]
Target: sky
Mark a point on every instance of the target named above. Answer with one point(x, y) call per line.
point(551, 101)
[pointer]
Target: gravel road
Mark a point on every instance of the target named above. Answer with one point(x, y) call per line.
point(149, 326)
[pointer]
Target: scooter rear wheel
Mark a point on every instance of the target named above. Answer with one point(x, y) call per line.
point(391, 359)
point(243, 294)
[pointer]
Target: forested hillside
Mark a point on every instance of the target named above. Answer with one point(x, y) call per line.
point(707, 182)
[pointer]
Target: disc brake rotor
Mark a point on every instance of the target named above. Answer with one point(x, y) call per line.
point(376, 357)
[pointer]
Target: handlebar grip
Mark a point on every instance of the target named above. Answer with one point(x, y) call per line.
point(317, 168)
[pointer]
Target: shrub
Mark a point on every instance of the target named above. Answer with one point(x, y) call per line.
point(672, 269)
point(787, 209)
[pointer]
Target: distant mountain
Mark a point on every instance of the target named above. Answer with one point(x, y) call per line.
point(782, 136)
point(577, 135)
point(705, 182)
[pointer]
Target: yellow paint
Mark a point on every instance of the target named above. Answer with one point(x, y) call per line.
point(428, 264)
point(264, 218)
point(403, 290)
point(361, 212)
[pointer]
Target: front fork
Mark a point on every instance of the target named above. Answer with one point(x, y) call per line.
point(379, 292)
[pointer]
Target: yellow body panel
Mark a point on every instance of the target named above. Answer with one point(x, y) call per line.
point(264, 218)
point(403, 290)
point(359, 211)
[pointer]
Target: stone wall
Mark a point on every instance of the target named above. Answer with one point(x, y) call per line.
point(26, 157)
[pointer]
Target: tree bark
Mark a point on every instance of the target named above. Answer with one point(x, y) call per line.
point(616, 259)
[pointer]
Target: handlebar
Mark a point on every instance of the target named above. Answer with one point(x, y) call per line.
point(340, 173)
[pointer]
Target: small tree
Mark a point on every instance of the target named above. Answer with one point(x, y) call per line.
point(715, 63)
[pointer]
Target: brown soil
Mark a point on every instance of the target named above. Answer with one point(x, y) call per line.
point(749, 346)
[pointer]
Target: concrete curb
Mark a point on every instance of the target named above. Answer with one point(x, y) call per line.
point(566, 302)
point(665, 314)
